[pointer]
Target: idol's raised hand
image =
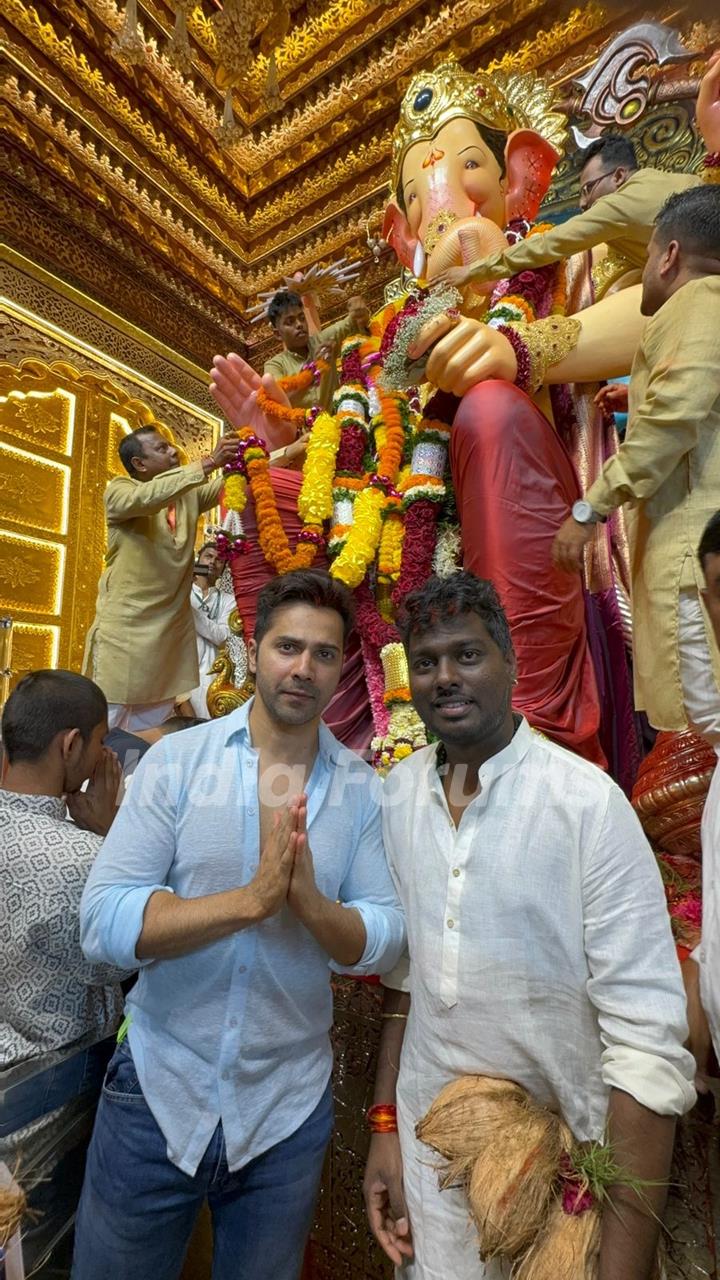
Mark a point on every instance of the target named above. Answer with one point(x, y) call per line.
point(234, 385)
point(707, 111)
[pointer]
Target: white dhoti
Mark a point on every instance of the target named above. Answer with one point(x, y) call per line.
point(700, 692)
point(446, 1243)
point(702, 704)
point(139, 715)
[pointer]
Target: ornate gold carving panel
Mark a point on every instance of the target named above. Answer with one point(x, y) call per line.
point(44, 418)
point(31, 574)
point(32, 484)
point(34, 647)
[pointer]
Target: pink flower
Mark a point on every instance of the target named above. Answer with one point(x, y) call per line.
point(575, 1199)
point(689, 909)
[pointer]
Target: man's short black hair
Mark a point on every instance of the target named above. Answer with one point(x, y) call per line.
point(284, 300)
point(131, 446)
point(709, 544)
point(46, 703)
point(617, 152)
point(303, 586)
point(210, 545)
point(693, 219)
point(444, 598)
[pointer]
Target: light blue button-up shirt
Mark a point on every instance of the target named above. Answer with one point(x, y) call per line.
point(236, 1031)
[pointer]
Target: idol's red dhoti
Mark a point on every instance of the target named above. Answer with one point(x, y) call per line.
point(348, 715)
point(515, 485)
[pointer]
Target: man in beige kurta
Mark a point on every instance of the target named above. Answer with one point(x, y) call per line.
point(668, 467)
point(289, 322)
point(620, 204)
point(141, 646)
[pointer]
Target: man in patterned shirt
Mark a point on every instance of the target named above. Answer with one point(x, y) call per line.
point(52, 728)
point(57, 1012)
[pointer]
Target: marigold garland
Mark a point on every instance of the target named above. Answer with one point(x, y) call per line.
point(308, 376)
point(315, 503)
point(254, 459)
point(362, 538)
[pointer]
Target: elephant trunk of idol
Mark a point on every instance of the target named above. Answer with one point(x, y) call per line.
point(464, 241)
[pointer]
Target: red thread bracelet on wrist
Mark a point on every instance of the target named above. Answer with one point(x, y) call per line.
point(382, 1117)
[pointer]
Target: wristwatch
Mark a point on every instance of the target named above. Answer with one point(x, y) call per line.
point(584, 513)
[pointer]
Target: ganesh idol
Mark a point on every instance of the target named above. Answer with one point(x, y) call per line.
point(508, 377)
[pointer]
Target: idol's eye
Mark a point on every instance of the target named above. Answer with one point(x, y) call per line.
point(412, 197)
point(471, 164)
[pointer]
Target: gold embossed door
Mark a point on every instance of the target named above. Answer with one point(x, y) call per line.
point(59, 432)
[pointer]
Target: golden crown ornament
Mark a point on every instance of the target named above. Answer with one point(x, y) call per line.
point(504, 100)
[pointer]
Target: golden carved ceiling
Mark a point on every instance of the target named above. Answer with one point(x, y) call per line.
point(175, 196)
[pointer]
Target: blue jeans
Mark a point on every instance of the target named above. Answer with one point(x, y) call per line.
point(138, 1210)
point(44, 1091)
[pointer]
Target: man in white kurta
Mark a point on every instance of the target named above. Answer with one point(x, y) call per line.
point(141, 646)
point(540, 947)
point(211, 609)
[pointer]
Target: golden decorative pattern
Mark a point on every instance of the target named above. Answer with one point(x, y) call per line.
point(31, 484)
point(39, 417)
point(31, 574)
point(35, 648)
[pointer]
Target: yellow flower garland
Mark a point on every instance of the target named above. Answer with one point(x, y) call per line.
point(315, 503)
point(235, 495)
point(359, 550)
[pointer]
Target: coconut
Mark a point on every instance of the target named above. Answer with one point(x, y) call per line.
point(465, 1114)
point(12, 1208)
point(512, 1179)
point(567, 1249)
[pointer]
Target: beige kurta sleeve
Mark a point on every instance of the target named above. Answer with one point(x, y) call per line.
point(209, 494)
point(126, 498)
point(335, 332)
point(682, 348)
point(634, 204)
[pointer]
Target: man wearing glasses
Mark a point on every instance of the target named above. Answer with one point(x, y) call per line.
point(619, 205)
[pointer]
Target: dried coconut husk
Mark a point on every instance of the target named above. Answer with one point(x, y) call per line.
point(512, 1179)
point(567, 1249)
point(465, 1115)
point(12, 1208)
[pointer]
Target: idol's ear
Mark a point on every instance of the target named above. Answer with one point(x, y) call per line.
point(396, 232)
point(529, 164)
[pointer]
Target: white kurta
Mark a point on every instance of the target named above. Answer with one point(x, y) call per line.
point(708, 953)
point(540, 951)
point(210, 614)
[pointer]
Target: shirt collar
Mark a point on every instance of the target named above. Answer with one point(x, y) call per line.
point(238, 727)
point(53, 806)
point(497, 765)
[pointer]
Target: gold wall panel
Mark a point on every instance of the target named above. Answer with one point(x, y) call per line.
point(33, 490)
point(44, 418)
point(34, 648)
point(31, 574)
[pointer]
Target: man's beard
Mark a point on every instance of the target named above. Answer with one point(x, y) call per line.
point(482, 730)
point(283, 710)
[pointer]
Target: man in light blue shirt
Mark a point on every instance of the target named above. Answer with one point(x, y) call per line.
point(247, 856)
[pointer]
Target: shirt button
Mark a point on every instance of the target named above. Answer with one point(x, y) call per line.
point(233, 1022)
point(456, 871)
point(242, 968)
point(251, 812)
point(451, 924)
point(248, 764)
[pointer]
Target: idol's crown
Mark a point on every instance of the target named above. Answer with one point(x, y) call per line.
point(503, 101)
